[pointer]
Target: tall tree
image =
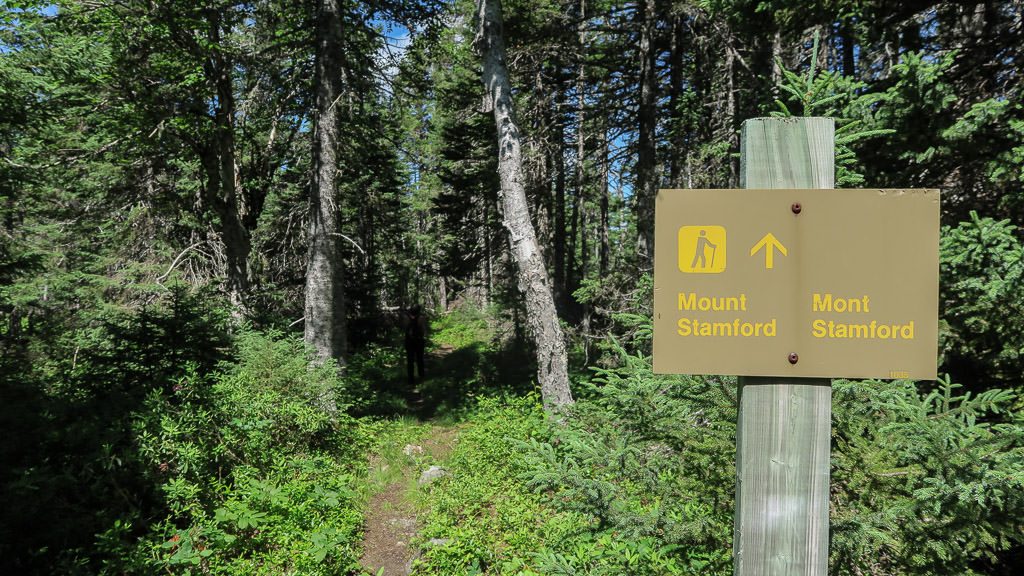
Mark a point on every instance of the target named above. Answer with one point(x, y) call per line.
point(325, 297)
point(552, 371)
point(224, 191)
point(646, 166)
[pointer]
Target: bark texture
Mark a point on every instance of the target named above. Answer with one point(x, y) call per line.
point(325, 297)
point(646, 169)
point(223, 191)
point(532, 275)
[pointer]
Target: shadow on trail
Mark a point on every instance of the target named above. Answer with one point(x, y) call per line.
point(451, 379)
point(454, 377)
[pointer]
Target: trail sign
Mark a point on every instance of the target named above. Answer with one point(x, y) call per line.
point(808, 283)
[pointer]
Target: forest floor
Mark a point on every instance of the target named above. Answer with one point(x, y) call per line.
point(391, 513)
point(421, 441)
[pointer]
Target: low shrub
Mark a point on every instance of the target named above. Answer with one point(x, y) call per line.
point(982, 303)
point(463, 327)
point(646, 460)
point(480, 517)
point(255, 464)
point(924, 483)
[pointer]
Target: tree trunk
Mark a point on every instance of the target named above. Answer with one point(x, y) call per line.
point(541, 317)
point(224, 187)
point(730, 107)
point(488, 255)
point(580, 208)
point(581, 140)
point(325, 299)
point(676, 76)
point(777, 62)
point(646, 171)
point(561, 293)
point(911, 36)
point(849, 64)
point(604, 225)
point(572, 277)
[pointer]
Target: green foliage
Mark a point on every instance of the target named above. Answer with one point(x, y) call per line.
point(630, 484)
point(449, 150)
point(647, 460)
point(917, 105)
point(982, 302)
point(254, 467)
point(640, 477)
point(487, 520)
point(72, 466)
point(299, 516)
point(466, 358)
point(142, 448)
point(608, 554)
point(374, 378)
point(146, 433)
point(627, 304)
point(924, 483)
point(277, 403)
point(826, 93)
point(970, 145)
point(999, 123)
point(463, 327)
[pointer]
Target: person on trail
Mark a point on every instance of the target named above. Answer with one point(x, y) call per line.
point(415, 342)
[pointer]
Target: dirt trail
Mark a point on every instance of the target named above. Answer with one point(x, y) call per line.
point(391, 521)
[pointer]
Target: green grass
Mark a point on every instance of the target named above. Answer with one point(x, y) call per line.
point(489, 521)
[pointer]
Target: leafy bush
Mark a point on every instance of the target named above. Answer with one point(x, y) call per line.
point(256, 467)
point(647, 460)
point(71, 467)
point(275, 400)
point(622, 310)
point(375, 380)
point(300, 517)
point(922, 482)
point(649, 493)
point(155, 441)
point(463, 327)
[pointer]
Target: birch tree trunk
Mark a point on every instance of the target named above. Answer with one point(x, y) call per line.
point(541, 317)
point(325, 298)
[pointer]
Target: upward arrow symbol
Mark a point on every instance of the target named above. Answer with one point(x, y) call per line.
point(770, 243)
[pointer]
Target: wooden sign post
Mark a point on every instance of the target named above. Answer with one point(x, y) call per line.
point(784, 424)
point(789, 287)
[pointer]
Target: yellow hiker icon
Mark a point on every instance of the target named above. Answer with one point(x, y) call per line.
point(702, 249)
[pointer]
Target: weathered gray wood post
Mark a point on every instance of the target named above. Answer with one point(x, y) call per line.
point(784, 424)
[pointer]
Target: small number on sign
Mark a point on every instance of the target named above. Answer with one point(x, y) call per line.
point(899, 374)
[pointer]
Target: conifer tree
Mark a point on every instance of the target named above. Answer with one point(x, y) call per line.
point(325, 295)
